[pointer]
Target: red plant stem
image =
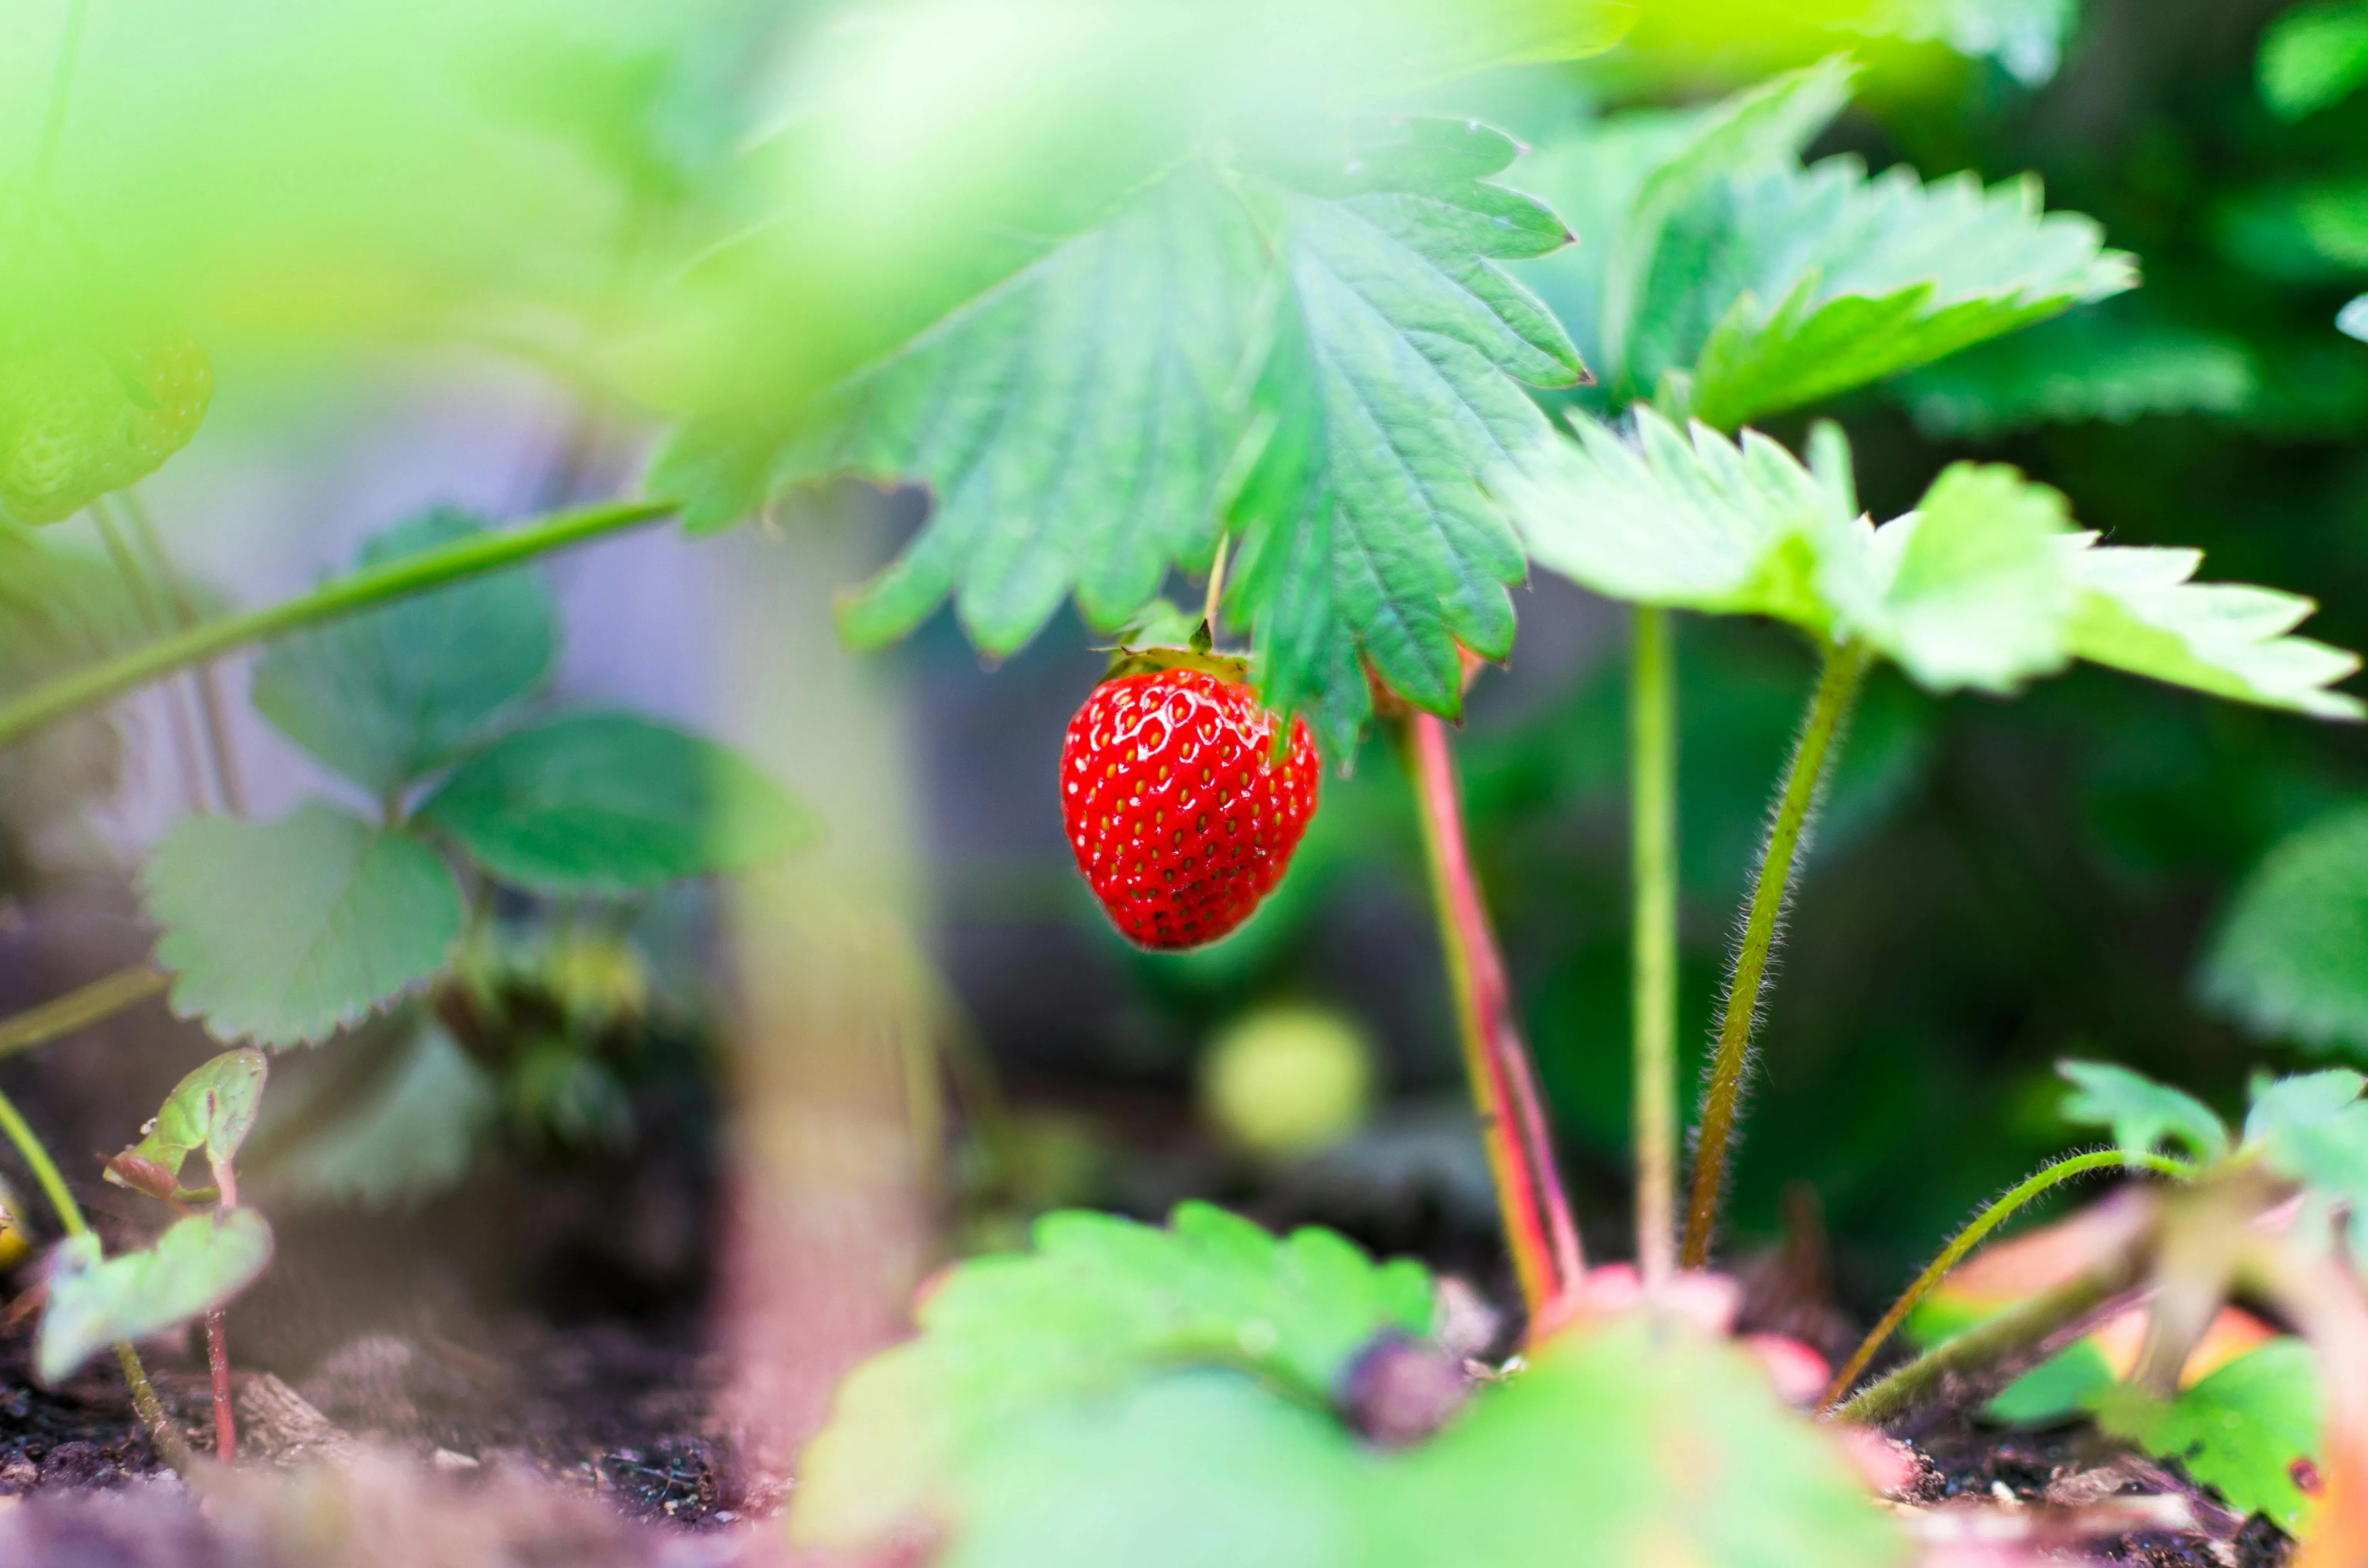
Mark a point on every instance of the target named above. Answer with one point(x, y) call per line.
point(218, 1357)
point(1538, 1228)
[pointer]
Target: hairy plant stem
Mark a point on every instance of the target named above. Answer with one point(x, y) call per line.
point(1653, 843)
point(2042, 1181)
point(161, 1430)
point(1539, 1231)
point(1796, 801)
point(81, 1007)
point(1990, 1354)
point(95, 683)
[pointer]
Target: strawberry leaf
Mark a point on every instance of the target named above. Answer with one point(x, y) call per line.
point(2313, 1128)
point(195, 1266)
point(387, 695)
point(212, 1109)
point(1334, 347)
point(2312, 56)
point(2244, 1430)
point(1985, 584)
point(2291, 958)
point(284, 931)
point(391, 1119)
point(2141, 1113)
point(607, 803)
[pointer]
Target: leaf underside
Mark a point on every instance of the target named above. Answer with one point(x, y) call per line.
point(1323, 358)
point(284, 931)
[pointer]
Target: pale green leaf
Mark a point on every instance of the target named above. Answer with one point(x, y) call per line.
point(608, 802)
point(1811, 282)
point(2352, 319)
point(2139, 612)
point(2026, 37)
point(2242, 1429)
point(2314, 56)
point(2141, 1113)
point(2086, 365)
point(1966, 590)
point(2291, 958)
point(212, 1109)
point(1101, 1302)
point(197, 1264)
point(385, 695)
point(1984, 586)
point(284, 931)
point(2312, 1129)
point(392, 1126)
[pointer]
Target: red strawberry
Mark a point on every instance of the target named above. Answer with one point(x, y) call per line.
point(1180, 818)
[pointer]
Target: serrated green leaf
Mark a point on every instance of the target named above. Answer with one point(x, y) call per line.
point(1824, 279)
point(2290, 960)
point(212, 1109)
point(2241, 1429)
point(285, 931)
point(2141, 1113)
point(2139, 612)
point(408, 1132)
point(1101, 1303)
point(385, 695)
point(608, 802)
point(2085, 365)
point(1984, 586)
point(94, 1302)
point(1334, 344)
point(2312, 56)
point(1965, 591)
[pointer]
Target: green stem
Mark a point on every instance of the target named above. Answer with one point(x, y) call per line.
point(472, 557)
point(1795, 804)
point(1988, 1219)
point(161, 1429)
point(1539, 1231)
point(1653, 832)
point(80, 1008)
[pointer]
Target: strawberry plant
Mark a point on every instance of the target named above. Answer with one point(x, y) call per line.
point(1243, 302)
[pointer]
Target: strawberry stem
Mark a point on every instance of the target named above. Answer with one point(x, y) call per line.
point(1539, 1231)
point(1652, 837)
point(1964, 1240)
point(373, 586)
point(1788, 833)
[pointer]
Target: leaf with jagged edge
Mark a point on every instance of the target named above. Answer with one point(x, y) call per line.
point(2141, 1113)
point(1824, 279)
point(1985, 584)
point(1333, 347)
point(2243, 1429)
point(2290, 960)
point(2139, 612)
point(283, 931)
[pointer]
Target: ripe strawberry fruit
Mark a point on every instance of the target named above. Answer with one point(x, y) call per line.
point(1180, 816)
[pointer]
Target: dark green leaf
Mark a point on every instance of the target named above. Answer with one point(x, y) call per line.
point(197, 1265)
point(213, 1108)
point(2313, 55)
point(2243, 1429)
point(2086, 365)
point(2141, 1113)
point(391, 693)
point(607, 802)
point(285, 931)
point(2291, 958)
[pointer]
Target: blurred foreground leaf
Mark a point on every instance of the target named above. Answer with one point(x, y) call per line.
point(195, 1266)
